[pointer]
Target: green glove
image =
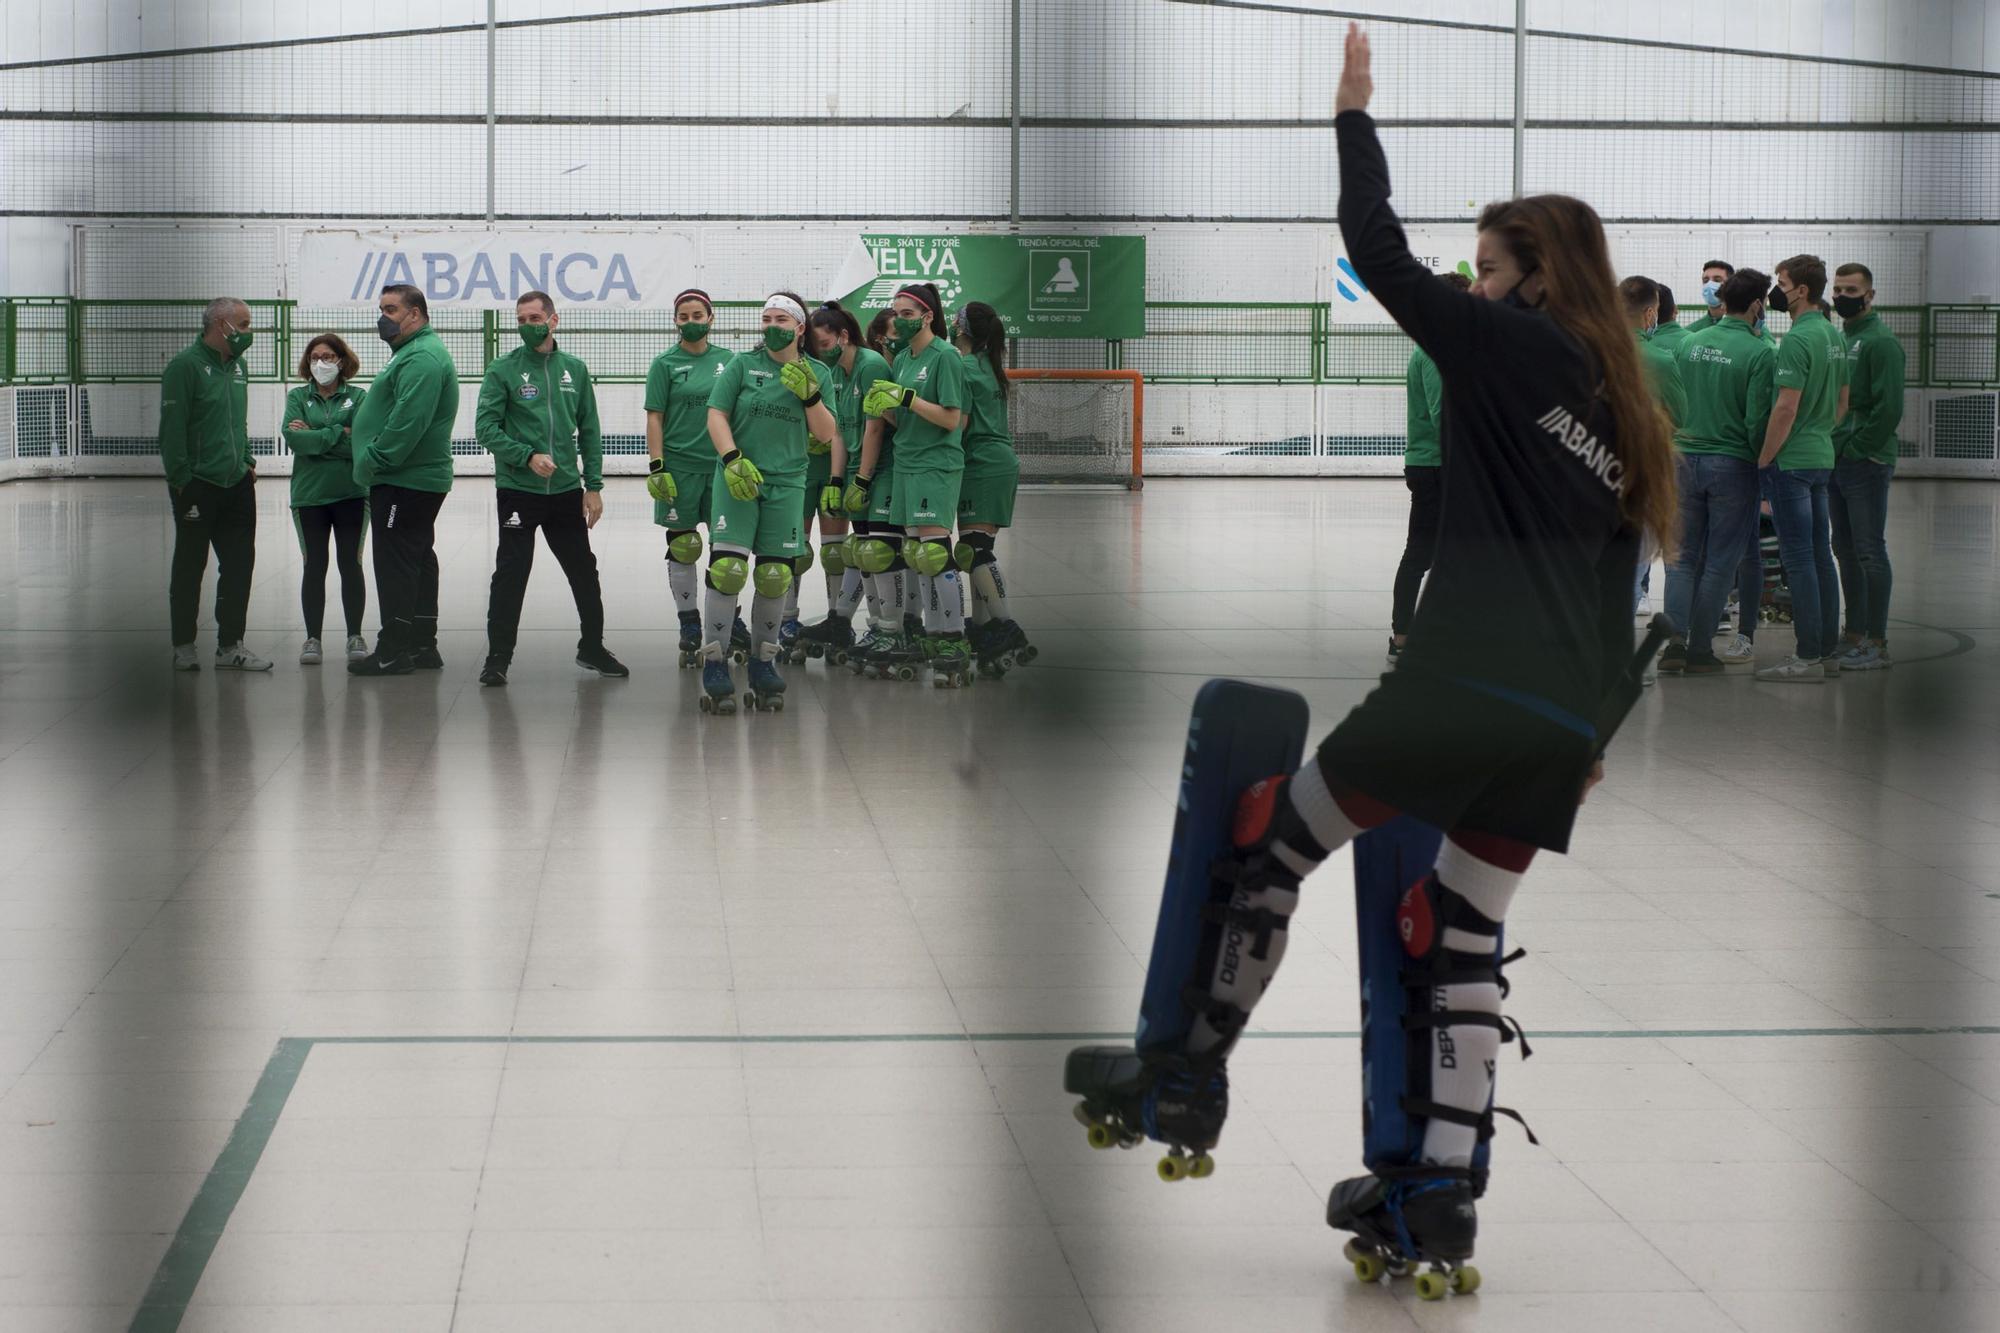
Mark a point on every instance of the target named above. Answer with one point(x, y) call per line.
point(831, 497)
point(659, 481)
point(855, 498)
point(798, 377)
point(741, 475)
point(886, 396)
point(817, 447)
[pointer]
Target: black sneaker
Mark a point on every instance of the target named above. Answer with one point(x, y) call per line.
point(1673, 659)
point(376, 665)
point(598, 658)
point(495, 670)
point(1702, 664)
point(426, 658)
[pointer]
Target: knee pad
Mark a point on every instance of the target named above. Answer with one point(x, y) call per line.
point(962, 555)
point(833, 558)
point(975, 548)
point(684, 548)
point(773, 577)
point(927, 556)
point(872, 555)
point(804, 563)
point(728, 573)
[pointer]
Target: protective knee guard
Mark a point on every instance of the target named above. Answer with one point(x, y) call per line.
point(1403, 915)
point(728, 573)
point(774, 575)
point(833, 558)
point(802, 565)
point(684, 548)
point(974, 548)
point(872, 555)
point(927, 556)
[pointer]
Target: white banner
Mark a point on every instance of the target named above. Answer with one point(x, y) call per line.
point(599, 270)
point(1440, 249)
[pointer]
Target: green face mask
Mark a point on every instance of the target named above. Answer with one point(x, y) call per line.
point(908, 329)
point(894, 346)
point(693, 333)
point(778, 339)
point(239, 343)
point(533, 334)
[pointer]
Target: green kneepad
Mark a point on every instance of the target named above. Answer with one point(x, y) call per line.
point(961, 555)
point(684, 548)
point(929, 558)
point(803, 565)
point(773, 577)
point(728, 573)
point(834, 558)
point(873, 555)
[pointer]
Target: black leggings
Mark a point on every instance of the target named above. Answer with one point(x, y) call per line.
point(347, 521)
point(1426, 488)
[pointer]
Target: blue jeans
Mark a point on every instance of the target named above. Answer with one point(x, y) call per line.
point(1799, 506)
point(1858, 503)
point(1718, 502)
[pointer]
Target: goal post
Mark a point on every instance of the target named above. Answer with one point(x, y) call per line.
point(1079, 425)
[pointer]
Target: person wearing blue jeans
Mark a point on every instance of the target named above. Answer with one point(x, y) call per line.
point(1718, 494)
point(1799, 506)
point(1858, 503)
point(1866, 445)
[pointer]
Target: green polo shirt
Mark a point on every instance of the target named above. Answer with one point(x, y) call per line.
point(1423, 394)
point(1810, 360)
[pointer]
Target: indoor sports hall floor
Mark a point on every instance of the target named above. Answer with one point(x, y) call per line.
point(406, 1005)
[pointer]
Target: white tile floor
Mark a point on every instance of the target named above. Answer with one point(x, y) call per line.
point(755, 1023)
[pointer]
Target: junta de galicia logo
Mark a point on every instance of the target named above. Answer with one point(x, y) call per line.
point(1360, 288)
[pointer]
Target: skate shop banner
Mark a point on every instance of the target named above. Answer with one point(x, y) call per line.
point(598, 270)
point(1043, 286)
point(1440, 249)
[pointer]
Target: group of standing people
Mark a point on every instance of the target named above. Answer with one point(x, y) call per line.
point(887, 442)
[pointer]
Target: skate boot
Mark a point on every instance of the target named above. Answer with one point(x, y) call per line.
point(739, 642)
point(718, 691)
point(790, 651)
point(899, 659)
point(767, 688)
point(950, 657)
point(1421, 1221)
point(987, 653)
point(832, 638)
point(1014, 646)
point(690, 644)
point(862, 655)
point(1129, 1097)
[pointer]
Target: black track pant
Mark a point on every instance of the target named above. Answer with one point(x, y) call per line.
point(225, 518)
point(346, 521)
point(560, 519)
point(1426, 501)
point(404, 526)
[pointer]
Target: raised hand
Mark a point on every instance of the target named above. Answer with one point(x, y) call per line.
point(1357, 85)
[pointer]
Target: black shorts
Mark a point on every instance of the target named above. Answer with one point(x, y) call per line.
point(1455, 758)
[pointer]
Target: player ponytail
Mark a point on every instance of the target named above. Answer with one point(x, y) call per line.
point(1562, 240)
point(836, 318)
point(987, 333)
point(926, 295)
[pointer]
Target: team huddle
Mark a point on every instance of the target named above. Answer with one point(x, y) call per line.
point(894, 444)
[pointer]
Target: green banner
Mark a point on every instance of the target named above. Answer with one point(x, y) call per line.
point(1043, 286)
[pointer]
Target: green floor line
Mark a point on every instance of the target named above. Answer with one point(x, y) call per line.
point(180, 1271)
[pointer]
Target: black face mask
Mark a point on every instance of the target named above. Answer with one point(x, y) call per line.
point(1514, 298)
point(1776, 300)
point(1848, 307)
point(389, 329)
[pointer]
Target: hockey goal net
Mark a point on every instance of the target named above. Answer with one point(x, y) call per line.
point(1079, 425)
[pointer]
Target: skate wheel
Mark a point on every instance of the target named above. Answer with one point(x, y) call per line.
point(906, 673)
point(1100, 1136)
point(1202, 1167)
point(1173, 1167)
point(1368, 1268)
point(1432, 1285)
point(778, 704)
point(1465, 1281)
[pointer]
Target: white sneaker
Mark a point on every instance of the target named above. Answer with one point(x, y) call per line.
point(357, 647)
point(1739, 651)
point(310, 654)
point(185, 659)
point(1867, 657)
point(1830, 666)
point(1795, 670)
point(238, 658)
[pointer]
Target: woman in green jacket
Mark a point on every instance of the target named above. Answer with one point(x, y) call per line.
point(319, 421)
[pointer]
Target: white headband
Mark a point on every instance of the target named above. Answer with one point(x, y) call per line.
point(788, 305)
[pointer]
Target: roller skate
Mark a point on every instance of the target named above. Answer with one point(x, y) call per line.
point(739, 642)
point(1014, 646)
point(866, 648)
point(987, 652)
point(897, 659)
point(1419, 1223)
point(1129, 1097)
point(718, 691)
point(832, 638)
point(950, 658)
point(767, 688)
point(790, 651)
point(690, 644)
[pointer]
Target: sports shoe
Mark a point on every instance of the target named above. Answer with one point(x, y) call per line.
point(1795, 670)
point(1702, 664)
point(1867, 657)
point(375, 665)
point(238, 658)
point(310, 655)
point(495, 670)
point(426, 658)
point(598, 658)
point(357, 647)
point(185, 658)
point(1741, 649)
point(1673, 658)
point(1830, 666)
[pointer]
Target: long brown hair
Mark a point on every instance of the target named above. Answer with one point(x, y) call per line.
point(987, 333)
point(1562, 240)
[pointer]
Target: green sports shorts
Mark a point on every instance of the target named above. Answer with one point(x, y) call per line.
point(987, 497)
point(689, 508)
point(772, 524)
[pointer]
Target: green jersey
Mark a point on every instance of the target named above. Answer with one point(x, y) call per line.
point(678, 384)
point(937, 374)
point(1726, 372)
point(402, 432)
point(989, 442)
point(767, 420)
point(204, 417)
point(1875, 368)
point(1669, 337)
point(844, 390)
point(322, 453)
point(1808, 361)
point(1663, 377)
point(1423, 388)
point(534, 404)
